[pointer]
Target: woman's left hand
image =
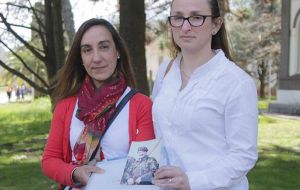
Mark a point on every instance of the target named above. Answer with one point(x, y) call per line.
point(171, 177)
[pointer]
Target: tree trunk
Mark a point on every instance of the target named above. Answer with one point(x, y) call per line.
point(262, 87)
point(132, 29)
point(68, 19)
point(262, 71)
point(58, 34)
point(54, 38)
point(49, 50)
point(224, 7)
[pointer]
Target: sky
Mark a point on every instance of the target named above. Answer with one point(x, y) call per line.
point(82, 11)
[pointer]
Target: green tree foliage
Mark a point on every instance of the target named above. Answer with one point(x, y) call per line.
point(254, 30)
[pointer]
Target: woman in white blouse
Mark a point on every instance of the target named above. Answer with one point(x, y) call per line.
point(205, 107)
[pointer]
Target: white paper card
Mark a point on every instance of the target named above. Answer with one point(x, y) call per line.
point(111, 178)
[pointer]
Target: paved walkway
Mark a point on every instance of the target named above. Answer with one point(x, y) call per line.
point(4, 98)
point(282, 116)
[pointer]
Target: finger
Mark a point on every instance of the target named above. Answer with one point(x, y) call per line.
point(94, 169)
point(163, 181)
point(170, 183)
point(165, 173)
point(160, 170)
point(167, 168)
point(97, 170)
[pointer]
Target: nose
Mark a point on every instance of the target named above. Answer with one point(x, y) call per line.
point(97, 56)
point(186, 26)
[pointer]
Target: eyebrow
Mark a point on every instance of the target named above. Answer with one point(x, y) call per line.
point(192, 12)
point(99, 43)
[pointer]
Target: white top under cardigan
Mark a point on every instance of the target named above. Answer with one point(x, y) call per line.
point(117, 132)
point(209, 128)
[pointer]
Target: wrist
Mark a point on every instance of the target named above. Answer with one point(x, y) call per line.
point(74, 179)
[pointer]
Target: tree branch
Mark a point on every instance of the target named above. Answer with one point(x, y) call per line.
point(25, 65)
point(35, 13)
point(22, 76)
point(23, 7)
point(27, 27)
point(30, 47)
point(41, 26)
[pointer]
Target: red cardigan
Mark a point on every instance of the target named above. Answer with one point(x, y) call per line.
point(58, 154)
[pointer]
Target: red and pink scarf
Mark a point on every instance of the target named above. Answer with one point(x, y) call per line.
point(95, 108)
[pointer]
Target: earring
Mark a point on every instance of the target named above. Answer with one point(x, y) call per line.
point(213, 32)
point(118, 57)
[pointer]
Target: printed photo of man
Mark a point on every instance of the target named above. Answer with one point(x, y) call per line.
point(140, 170)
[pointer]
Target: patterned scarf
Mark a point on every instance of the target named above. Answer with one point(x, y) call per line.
point(95, 108)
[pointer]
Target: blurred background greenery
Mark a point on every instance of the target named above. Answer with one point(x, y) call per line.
point(24, 127)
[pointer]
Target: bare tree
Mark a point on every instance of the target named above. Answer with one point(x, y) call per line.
point(68, 19)
point(46, 45)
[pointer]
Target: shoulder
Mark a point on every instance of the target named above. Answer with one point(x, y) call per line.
point(233, 73)
point(141, 98)
point(66, 103)
point(235, 81)
point(237, 72)
point(163, 67)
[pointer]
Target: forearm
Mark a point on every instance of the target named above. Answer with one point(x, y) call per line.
point(58, 170)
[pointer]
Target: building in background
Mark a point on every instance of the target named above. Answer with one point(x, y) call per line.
point(156, 53)
point(288, 93)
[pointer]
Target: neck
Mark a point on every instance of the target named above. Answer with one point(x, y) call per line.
point(191, 60)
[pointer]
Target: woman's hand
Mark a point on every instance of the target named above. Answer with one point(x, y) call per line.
point(171, 177)
point(83, 173)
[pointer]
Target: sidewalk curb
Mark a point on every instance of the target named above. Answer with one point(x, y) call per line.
point(294, 117)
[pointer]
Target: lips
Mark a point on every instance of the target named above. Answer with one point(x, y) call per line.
point(98, 69)
point(187, 37)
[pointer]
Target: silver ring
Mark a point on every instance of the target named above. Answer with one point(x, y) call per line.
point(170, 180)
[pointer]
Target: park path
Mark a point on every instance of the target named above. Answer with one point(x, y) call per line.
point(4, 99)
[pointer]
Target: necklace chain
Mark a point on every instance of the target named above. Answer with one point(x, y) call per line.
point(182, 71)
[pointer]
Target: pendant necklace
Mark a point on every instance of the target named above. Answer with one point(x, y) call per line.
point(182, 71)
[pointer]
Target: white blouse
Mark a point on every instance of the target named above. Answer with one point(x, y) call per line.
point(209, 127)
point(115, 141)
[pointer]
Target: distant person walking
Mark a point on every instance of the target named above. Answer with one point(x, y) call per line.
point(23, 91)
point(9, 92)
point(18, 92)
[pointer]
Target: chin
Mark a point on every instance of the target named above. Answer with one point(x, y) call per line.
point(189, 49)
point(101, 79)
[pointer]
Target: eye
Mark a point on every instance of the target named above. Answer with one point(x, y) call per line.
point(103, 46)
point(177, 17)
point(86, 50)
point(197, 17)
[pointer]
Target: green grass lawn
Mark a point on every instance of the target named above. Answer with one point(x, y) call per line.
point(278, 167)
point(24, 128)
point(263, 104)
